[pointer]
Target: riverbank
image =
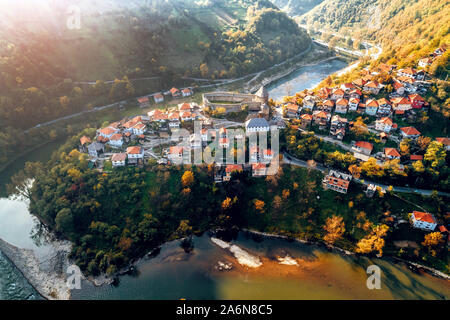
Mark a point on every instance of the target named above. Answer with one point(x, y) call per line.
point(432, 271)
point(47, 276)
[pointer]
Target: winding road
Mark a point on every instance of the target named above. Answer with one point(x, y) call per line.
point(287, 158)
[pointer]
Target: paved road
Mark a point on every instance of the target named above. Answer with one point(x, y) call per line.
point(287, 158)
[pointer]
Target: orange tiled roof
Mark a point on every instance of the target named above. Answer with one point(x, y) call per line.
point(364, 144)
point(392, 152)
point(423, 216)
point(410, 131)
point(134, 150)
point(84, 140)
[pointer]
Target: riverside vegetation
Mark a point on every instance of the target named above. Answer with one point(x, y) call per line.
point(113, 217)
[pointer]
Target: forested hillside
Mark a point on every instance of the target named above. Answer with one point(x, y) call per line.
point(296, 7)
point(406, 29)
point(42, 61)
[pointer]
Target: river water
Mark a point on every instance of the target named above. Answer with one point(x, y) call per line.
point(174, 274)
point(304, 78)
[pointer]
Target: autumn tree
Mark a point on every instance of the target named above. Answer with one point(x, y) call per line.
point(335, 228)
point(432, 241)
point(187, 180)
point(259, 205)
point(373, 241)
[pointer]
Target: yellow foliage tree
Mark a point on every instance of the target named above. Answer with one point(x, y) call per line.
point(335, 228)
point(259, 205)
point(374, 241)
point(187, 179)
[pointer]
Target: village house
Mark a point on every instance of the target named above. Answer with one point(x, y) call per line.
point(95, 149)
point(341, 106)
point(409, 133)
point(321, 118)
point(327, 106)
point(384, 107)
point(309, 102)
point(353, 104)
point(355, 93)
point(305, 120)
point(337, 181)
point(107, 132)
point(176, 154)
point(372, 87)
point(259, 169)
point(399, 88)
point(417, 102)
point(257, 125)
point(159, 98)
point(187, 116)
point(423, 220)
point(407, 72)
point(337, 94)
point(384, 124)
point(139, 129)
point(425, 62)
point(230, 169)
point(360, 83)
point(401, 104)
point(176, 93)
point(324, 93)
point(187, 92)
point(185, 107)
point(118, 159)
point(338, 127)
point(135, 154)
point(174, 120)
point(445, 142)
point(363, 147)
point(116, 140)
point(292, 110)
point(84, 141)
point(347, 87)
point(391, 153)
point(144, 102)
point(371, 107)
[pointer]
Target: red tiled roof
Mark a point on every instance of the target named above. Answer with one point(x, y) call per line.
point(143, 100)
point(416, 157)
point(383, 101)
point(258, 166)
point(134, 150)
point(423, 216)
point(118, 157)
point(84, 140)
point(410, 131)
point(372, 84)
point(328, 103)
point(443, 229)
point(386, 120)
point(116, 137)
point(371, 103)
point(359, 82)
point(364, 144)
point(107, 131)
point(392, 152)
point(342, 102)
point(306, 116)
point(174, 90)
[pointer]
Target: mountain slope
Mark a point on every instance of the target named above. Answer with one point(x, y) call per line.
point(296, 8)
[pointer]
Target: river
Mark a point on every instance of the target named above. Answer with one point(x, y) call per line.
point(174, 274)
point(304, 78)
